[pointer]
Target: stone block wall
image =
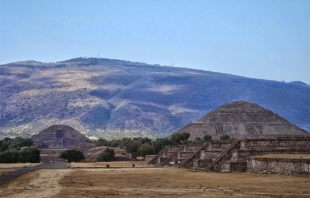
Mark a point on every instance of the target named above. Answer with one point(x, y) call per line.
point(292, 144)
point(236, 158)
point(296, 167)
point(149, 158)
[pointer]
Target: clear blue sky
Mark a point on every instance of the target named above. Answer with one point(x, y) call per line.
point(266, 39)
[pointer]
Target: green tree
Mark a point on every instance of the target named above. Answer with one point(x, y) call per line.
point(185, 136)
point(26, 156)
point(160, 143)
point(145, 140)
point(133, 148)
point(36, 153)
point(207, 138)
point(198, 141)
point(9, 157)
point(224, 137)
point(146, 149)
point(72, 155)
point(3, 146)
point(19, 142)
point(106, 156)
point(115, 143)
point(125, 142)
point(101, 142)
point(176, 138)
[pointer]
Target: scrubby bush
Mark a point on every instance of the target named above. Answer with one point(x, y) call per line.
point(106, 156)
point(224, 137)
point(207, 138)
point(146, 149)
point(72, 155)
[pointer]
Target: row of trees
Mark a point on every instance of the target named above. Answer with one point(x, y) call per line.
point(15, 144)
point(31, 155)
point(11, 151)
point(73, 155)
point(145, 146)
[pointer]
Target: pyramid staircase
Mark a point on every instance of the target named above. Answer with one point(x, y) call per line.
point(173, 155)
point(211, 165)
point(155, 159)
point(188, 160)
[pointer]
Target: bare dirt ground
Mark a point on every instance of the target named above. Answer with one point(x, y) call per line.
point(124, 164)
point(37, 184)
point(152, 182)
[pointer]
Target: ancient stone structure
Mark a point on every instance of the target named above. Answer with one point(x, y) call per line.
point(148, 158)
point(58, 136)
point(295, 167)
point(241, 119)
point(229, 156)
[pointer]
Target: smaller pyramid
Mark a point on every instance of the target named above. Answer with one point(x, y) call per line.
point(241, 119)
point(58, 136)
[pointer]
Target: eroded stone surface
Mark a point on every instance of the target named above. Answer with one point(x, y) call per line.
point(241, 119)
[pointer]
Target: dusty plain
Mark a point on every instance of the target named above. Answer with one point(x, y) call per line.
point(144, 181)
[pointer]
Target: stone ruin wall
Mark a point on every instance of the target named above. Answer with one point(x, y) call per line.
point(236, 159)
point(295, 167)
point(258, 147)
point(209, 154)
point(241, 158)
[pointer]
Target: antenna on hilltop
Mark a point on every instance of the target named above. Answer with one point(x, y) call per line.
point(98, 55)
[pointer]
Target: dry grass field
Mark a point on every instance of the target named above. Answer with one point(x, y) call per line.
point(151, 182)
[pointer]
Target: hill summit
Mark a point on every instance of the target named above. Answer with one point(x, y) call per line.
point(241, 119)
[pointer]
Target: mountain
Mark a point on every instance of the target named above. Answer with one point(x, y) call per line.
point(241, 119)
point(114, 98)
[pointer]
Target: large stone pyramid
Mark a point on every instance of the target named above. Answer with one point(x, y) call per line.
point(58, 136)
point(241, 119)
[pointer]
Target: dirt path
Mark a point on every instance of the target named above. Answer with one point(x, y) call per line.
point(37, 184)
point(14, 174)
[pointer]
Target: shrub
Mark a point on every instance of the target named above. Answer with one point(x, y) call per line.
point(146, 149)
point(106, 156)
point(224, 137)
point(207, 138)
point(72, 155)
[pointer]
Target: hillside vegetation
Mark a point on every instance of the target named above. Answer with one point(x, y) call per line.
point(114, 99)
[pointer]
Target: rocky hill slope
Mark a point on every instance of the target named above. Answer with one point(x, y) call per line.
point(241, 119)
point(114, 98)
